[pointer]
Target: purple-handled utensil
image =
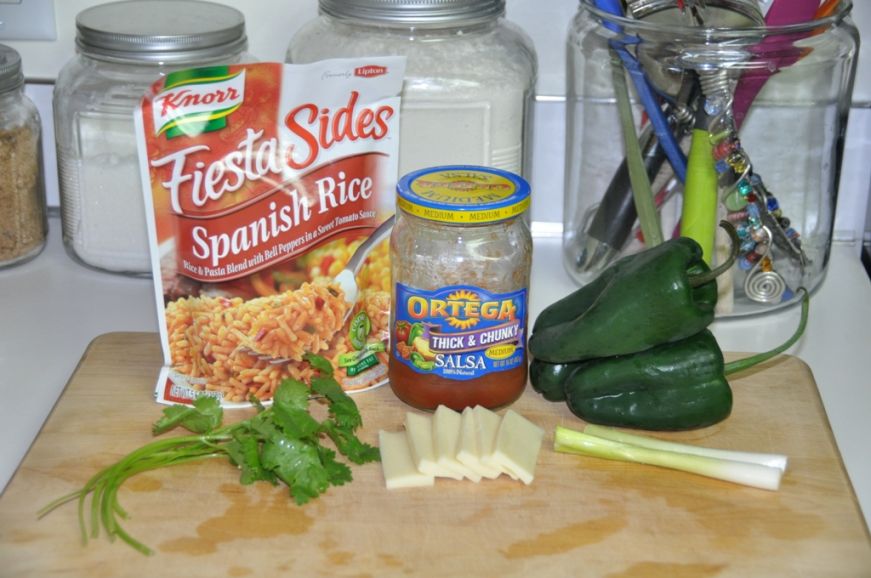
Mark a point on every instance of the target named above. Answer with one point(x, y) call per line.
point(781, 13)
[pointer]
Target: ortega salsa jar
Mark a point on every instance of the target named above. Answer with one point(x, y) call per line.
point(461, 254)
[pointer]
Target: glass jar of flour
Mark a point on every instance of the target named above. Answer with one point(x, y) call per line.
point(122, 48)
point(470, 74)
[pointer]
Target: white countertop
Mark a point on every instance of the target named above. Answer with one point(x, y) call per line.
point(52, 307)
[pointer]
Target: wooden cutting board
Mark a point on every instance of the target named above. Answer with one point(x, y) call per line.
point(580, 517)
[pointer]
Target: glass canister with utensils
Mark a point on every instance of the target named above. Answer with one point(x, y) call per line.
point(682, 115)
point(122, 48)
point(470, 75)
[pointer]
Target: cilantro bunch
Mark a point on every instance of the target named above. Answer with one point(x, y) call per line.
point(282, 443)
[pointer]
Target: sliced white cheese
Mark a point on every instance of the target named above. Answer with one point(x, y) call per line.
point(518, 442)
point(468, 451)
point(487, 425)
point(446, 433)
point(419, 429)
point(397, 463)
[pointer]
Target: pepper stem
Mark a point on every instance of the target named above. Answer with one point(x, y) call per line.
point(748, 362)
point(708, 276)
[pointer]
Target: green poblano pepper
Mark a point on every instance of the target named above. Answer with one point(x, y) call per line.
point(569, 306)
point(549, 379)
point(675, 386)
point(660, 295)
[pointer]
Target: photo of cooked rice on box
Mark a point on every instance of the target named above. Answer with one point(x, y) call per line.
point(271, 199)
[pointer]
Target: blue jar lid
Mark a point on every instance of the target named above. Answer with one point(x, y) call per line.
point(463, 194)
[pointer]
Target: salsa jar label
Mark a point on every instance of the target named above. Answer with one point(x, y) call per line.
point(460, 332)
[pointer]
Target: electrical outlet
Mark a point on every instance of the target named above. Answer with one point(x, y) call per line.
point(27, 20)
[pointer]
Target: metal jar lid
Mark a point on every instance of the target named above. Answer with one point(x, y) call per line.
point(463, 194)
point(160, 31)
point(10, 69)
point(415, 12)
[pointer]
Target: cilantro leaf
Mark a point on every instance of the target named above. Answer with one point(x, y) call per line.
point(203, 416)
point(244, 451)
point(291, 393)
point(295, 423)
point(298, 465)
point(342, 408)
point(290, 410)
point(255, 401)
point(322, 364)
point(328, 387)
point(338, 472)
point(350, 446)
point(262, 425)
point(282, 442)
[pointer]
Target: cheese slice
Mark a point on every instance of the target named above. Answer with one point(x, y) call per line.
point(397, 464)
point(419, 429)
point(446, 433)
point(518, 442)
point(468, 452)
point(487, 426)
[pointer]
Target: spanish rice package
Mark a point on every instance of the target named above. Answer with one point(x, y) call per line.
point(270, 194)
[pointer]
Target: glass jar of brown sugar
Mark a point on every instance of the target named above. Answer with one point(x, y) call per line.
point(461, 253)
point(23, 225)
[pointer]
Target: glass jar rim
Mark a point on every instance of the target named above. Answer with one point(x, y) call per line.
point(635, 25)
point(156, 31)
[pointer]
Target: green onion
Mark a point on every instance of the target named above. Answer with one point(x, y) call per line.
point(778, 461)
point(745, 473)
point(641, 191)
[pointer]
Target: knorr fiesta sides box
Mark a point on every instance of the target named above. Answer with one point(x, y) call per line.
point(270, 193)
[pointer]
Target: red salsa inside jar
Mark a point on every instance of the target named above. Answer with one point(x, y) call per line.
point(460, 258)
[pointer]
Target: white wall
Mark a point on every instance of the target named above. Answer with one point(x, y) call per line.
point(271, 24)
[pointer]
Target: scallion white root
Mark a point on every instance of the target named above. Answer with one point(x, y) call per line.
point(778, 461)
point(749, 474)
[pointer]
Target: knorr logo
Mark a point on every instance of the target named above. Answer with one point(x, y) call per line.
point(197, 101)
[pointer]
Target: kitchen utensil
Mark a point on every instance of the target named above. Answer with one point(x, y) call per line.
point(780, 13)
point(347, 279)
